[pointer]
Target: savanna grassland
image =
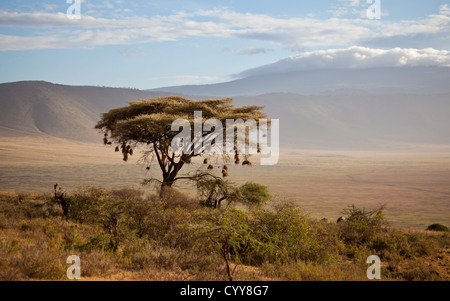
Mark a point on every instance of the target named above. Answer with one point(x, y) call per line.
point(122, 235)
point(414, 186)
point(123, 231)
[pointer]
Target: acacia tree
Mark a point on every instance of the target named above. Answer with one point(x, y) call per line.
point(147, 124)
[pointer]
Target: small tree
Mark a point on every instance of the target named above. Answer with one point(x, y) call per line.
point(213, 190)
point(362, 225)
point(147, 124)
point(63, 200)
point(230, 234)
point(254, 194)
point(365, 217)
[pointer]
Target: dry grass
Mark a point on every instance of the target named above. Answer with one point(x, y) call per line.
point(415, 186)
point(35, 240)
point(179, 243)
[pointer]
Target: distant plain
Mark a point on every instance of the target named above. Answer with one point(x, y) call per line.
point(414, 185)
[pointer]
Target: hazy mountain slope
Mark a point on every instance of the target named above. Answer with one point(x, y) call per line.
point(376, 107)
point(422, 80)
point(357, 121)
point(33, 108)
point(353, 121)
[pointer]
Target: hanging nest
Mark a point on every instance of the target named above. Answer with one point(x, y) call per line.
point(225, 167)
point(224, 173)
point(205, 161)
point(237, 161)
point(210, 166)
point(130, 152)
point(246, 162)
point(186, 159)
point(116, 149)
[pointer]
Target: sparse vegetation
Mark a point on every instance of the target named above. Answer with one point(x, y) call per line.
point(125, 234)
point(438, 227)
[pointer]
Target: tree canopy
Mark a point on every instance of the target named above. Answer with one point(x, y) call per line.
point(148, 124)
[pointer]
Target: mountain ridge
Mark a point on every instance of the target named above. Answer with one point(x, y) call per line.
point(385, 80)
point(327, 121)
point(39, 107)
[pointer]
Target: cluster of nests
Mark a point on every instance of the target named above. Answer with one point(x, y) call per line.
point(225, 168)
point(126, 149)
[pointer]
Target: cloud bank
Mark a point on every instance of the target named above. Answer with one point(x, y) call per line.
point(356, 57)
point(47, 30)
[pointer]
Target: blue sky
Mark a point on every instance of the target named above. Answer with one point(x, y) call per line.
point(149, 44)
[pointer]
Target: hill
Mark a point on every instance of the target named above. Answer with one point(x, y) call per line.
point(343, 120)
point(361, 121)
point(38, 108)
point(384, 80)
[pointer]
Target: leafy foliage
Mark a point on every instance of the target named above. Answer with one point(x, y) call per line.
point(254, 194)
point(438, 227)
point(160, 239)
point(147, 124)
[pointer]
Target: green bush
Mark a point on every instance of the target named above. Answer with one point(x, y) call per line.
point(229, 233)
point(85, 203)
point(283, 234)
point(361, 225)
point(254, 194)
point(438, 227)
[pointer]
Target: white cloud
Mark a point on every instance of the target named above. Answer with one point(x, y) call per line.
point(55, 30)
point(444, 10)
point(351, 2)
point(48, 6)
point(356, 57)
point(60, 20)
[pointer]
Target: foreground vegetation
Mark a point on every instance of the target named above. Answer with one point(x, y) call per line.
point(126, 235)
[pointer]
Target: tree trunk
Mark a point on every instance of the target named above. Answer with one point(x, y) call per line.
point(169, 178)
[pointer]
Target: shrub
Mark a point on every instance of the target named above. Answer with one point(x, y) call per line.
point(230, 234)
point(282, 235)
point(173, 198)
point(127, 194)
point(38, 262)
point(154, 220)
point(361, 225)
point(438, 227)
point(85, 202)
point(97, 206)
point(372, 218)
point(254, 194)
point(213, 190)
